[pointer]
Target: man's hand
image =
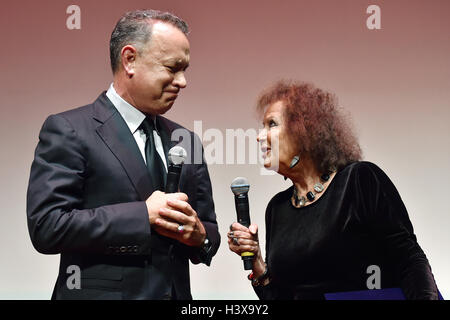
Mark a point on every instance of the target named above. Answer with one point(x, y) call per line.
point(169, 211)
point(158, 200)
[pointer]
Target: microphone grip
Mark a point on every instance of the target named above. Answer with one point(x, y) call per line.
point(242, 209)
point(173, 178)
point(243, 215)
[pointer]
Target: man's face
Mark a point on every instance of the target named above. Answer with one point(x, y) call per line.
point(160, 70)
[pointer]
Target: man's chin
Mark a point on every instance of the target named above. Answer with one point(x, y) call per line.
point(162, 109)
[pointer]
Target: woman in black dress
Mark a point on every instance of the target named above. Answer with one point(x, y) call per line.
point(342, 225)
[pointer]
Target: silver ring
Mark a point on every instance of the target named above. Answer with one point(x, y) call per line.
point(180, 228)
point(235, 241)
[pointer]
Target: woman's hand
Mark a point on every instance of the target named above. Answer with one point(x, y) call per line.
point(242, 239)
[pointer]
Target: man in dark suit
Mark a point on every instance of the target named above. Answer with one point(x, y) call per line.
point(94, 193)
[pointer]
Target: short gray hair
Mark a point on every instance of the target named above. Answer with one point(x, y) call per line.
point(135, 27)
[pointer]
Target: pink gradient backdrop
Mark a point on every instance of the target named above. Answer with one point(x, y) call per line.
point(395, 82)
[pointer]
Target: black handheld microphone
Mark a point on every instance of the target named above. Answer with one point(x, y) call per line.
point(177, 156)
point(240, 187)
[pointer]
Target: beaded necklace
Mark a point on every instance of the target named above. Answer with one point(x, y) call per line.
point(300, 201)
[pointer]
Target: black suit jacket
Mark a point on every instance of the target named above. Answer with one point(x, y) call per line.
point(86, 201)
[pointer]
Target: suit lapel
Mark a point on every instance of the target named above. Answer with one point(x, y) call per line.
point(117, 136)
point(167, 128)
point(165, 132)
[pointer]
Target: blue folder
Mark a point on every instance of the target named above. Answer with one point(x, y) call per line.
point(377, 294)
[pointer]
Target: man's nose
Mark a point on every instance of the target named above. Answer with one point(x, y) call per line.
point(180, 80)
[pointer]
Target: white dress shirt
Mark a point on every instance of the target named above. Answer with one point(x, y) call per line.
point(133, 118)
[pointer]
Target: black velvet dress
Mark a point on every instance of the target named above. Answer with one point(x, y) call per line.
point(327, 246)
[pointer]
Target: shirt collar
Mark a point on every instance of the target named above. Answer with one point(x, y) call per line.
point(132, 116)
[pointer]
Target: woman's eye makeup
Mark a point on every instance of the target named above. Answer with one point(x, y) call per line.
point(270, 123)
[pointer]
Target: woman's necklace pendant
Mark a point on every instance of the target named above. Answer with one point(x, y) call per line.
point(299, 202)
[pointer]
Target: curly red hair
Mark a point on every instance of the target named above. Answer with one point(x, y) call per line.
point(313, 119)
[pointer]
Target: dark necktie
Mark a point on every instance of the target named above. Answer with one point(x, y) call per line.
point(154, 162)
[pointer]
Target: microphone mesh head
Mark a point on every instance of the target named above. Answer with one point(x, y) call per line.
point(177, 155)
point(240, 185)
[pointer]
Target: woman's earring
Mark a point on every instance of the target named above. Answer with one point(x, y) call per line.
point(294, 162)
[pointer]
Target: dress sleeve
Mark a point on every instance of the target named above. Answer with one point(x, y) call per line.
point(267, 292)
point(388, 220)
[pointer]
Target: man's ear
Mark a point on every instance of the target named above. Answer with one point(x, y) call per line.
point(128, 56)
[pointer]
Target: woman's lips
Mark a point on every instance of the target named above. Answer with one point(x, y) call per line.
point(265, 151)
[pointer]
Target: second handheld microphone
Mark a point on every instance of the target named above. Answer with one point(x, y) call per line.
point(240, 187)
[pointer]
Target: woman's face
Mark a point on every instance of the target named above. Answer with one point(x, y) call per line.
point(276, 145)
